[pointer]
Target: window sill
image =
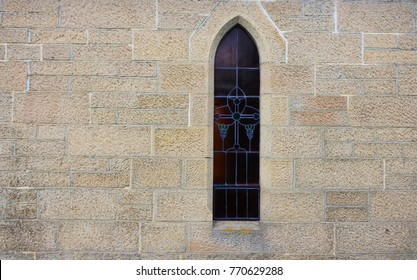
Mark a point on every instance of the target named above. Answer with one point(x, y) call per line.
point(237, 226)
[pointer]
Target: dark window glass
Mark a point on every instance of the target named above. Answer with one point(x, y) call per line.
point(236, 128)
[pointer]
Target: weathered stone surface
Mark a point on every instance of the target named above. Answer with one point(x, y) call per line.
point(23, 52)
point(6, 147)
point(163, 101)
point(318, 118)
point(43, 179)
point(310, 239)
point(339, 174)
point(318, 7)
point(108, 14)
point(99, 236)
point(21, 211)
point(369, 71)
point(348, 134)
point(62, 164)
point(303, 103)
point(57, 52)
point(183, 206)
point(347, 214)
point(375, 17)
point(338, 149)
point(199, 110)
point(13, 35)
point(378, 150)
point(339, 87)
point(394, 182)
point(156, 173)
point(110, 36)
point(274, 110)
point(347, 198)
point(152, 117)
point(133, 212)
point(372, 238)
point(407, 80)
point(48, 108)
point(28, 236)
point(291, 207)
point(180, 20)
point(184, 142)
point(288, 79)
point(13, 76)
point(276, 174)
point(109, 141)
point(101, 180)
point(51, 132)
point(374, 56)
point(112, 84)
point(30, 19)
point(380, 41)
point(183, 78)
point(58, 36)
point(196, 173)
point(310, 48)
point(26, 147)
point(394, 206)
point(186, 6)
point(322, 23)
point(102, 53)
point(380, 87)
point(161, 45)
point(383, 111)
point(163, 237)
point(294, 142)
point(127, 196)
point(77, 204)
point(21, 196)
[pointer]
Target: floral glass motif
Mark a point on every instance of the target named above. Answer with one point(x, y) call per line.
point(236, 128)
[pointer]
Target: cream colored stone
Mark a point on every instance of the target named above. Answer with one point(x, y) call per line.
point(114, 100)
point(291, 207)
point(101, 180)
point(2, 52)
point(161, 45)
point(51, 132)
point(380, 87)
point(347, 134)
point(338, 149)
point(11, 163)
point(394, 182)
point(152, 117)
point(375, 17)
point(109, 141)
point(401, 166)
point(15, 196)
point(369, 72)
point(318, 7)
point(171, 20)
point(288, 79)
point(394, 206)
point(310, 48)
point(163, 101)
point(310, 239)
point(156, 173)
point(13, 76)
point(407, 41)
point(50, 83)
point(30, 19)
point(40, 147)
point(377, 150)
point(199, 110)
point(103, 116)
point(183, 206)
point(43, 180)
point(318, 103)
point(339, 174)
point(183, 78)
point(318, 118)
point(380, 40)
point(58, 36)
point(13, 35)
point(374, 56)
point(63, 164)
point(294, 142)
point(102, 53)
point(331, 71)
point(276, 174)
point(21, 211)
point(347, 214)
point(365, 238)
point(133, 212)
point(186, 6)
point(110, 36)
point(383, 111)
point(99, 236)
point(57, 52)
point(6, 147)
point(339, 87)
point(163, 237)
point(407, 80)
point(322, 23)
point(347, 198)
point(108, 14)
point(112, 84)
point(183, 142)
point(274, 110)
point(130, 196)
point(196, 173)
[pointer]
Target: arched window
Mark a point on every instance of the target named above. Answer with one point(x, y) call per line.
point(236, 128)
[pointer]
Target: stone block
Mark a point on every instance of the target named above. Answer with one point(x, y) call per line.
point(152, 117)
point(318, 118)
point(110, 36)
point(2, 52)
point(102, 53)
point(161, 45)
point(108, 14)
point(99, 236)
point(315, 239)
point(375, 56)
point(339, 174)
point(310, 23)
point(13, 35)
point(375, 17)
point(17, 256)
point(186, 6)
point(331, 71)
point(17, 131)
point(338, 149)
point(57, 53)
point(183, 142)
point(28, 236)
point(77, 204)
point(101, 180)
point(127, 196)
point(292, 207)
point(347, 198)
point(51, 132)
point(25, 147)
point(394, 206)
point(133, 212)
point(294, 142)
point(407, 41)
point(199, 110)
point(276, 174)
point(43, 180)
point(379, 150)
point(380, 40)
point(122, 84)
point(30, 19)
point(6, 147)
point(58, 36)
point(376, 238)
point(380, 87)
point(347, 214)
point(398, 182)
point(109, 141)
point(14, 196)
point(339, 87)
point(313, 48)
point(279, 9)
point(13, 76)
point(150, 173)
point(401, 166)
point(52, 108)
point(12, 163)
point(50, 83)
point(369, 72)
point(304, 103)
point(407, 80)
point(183, 21)
point(23, 52)
point(383, 111)
point(63, 164)
point(183, 206)
point(21, 211)
point(180, 77)
point(163, 101)
point(196, 173)
point(318, 7)
point(288, 79)
point(103, 116)
point(274, 110)
point(349, 134)
point(163, 238)
point(38, 6)
point(114, 100)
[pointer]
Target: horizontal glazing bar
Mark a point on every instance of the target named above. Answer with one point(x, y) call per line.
point(234, 68)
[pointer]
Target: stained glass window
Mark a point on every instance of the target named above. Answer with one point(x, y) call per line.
point(236, 128)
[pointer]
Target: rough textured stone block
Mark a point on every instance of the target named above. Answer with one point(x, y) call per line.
point(30, 19)
point(279, 9)
point(314, 239)
point(347, 198)
point(407, 80)
point(26, 147)
point(2, 52)
point(184, 142)
point(63, 164)
point(393, 182)
point(394, 206)
point(44, 108)
point(13, 76)
point(50, 83)
point(6, 147)
point(109, 141)
point(122, 84)
point(183, 78)
point(310, 48)
point(199, 110)
point(380, 87)
point(311, 23)
point(276, 174)
point(183, 206)
point(155, 117)
point(369, 72)
point(163, 101)
point(161, 45)
point(28, 236)
point(318, 103)
point(372, 238)
point(99, 236)
point(23, 52)
point(133, 212)
point(57, 52)
point(349, 134)
point(380, 41)
point(21, 211)
point(21, 196)
point(102, 53)
point(339, 87)
point(114, 100)
point(338, 149)
point(58, 36)
point(187, 6)
point(346, 214)
point(377, 150)
point(109, 36)
point(156, 173)
point(318, 7)
point(288, 79)
point(43, 180)
point(383, 111)
point(13, 35)
point(108, 14)
point(401, 166)
point(274, 110)
point(77, 204)
point(101, 180)
point(196, 173)
point(375, 17)
point(51, 132)
point(407, 41)
point(374, 56)
point(9, 163)
point(294, 142)
point(163, 238)
point(339, 174)
point(170, 20)
point(127, 196)
point(396, 134)
point(291, 207)
point(318, 118)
